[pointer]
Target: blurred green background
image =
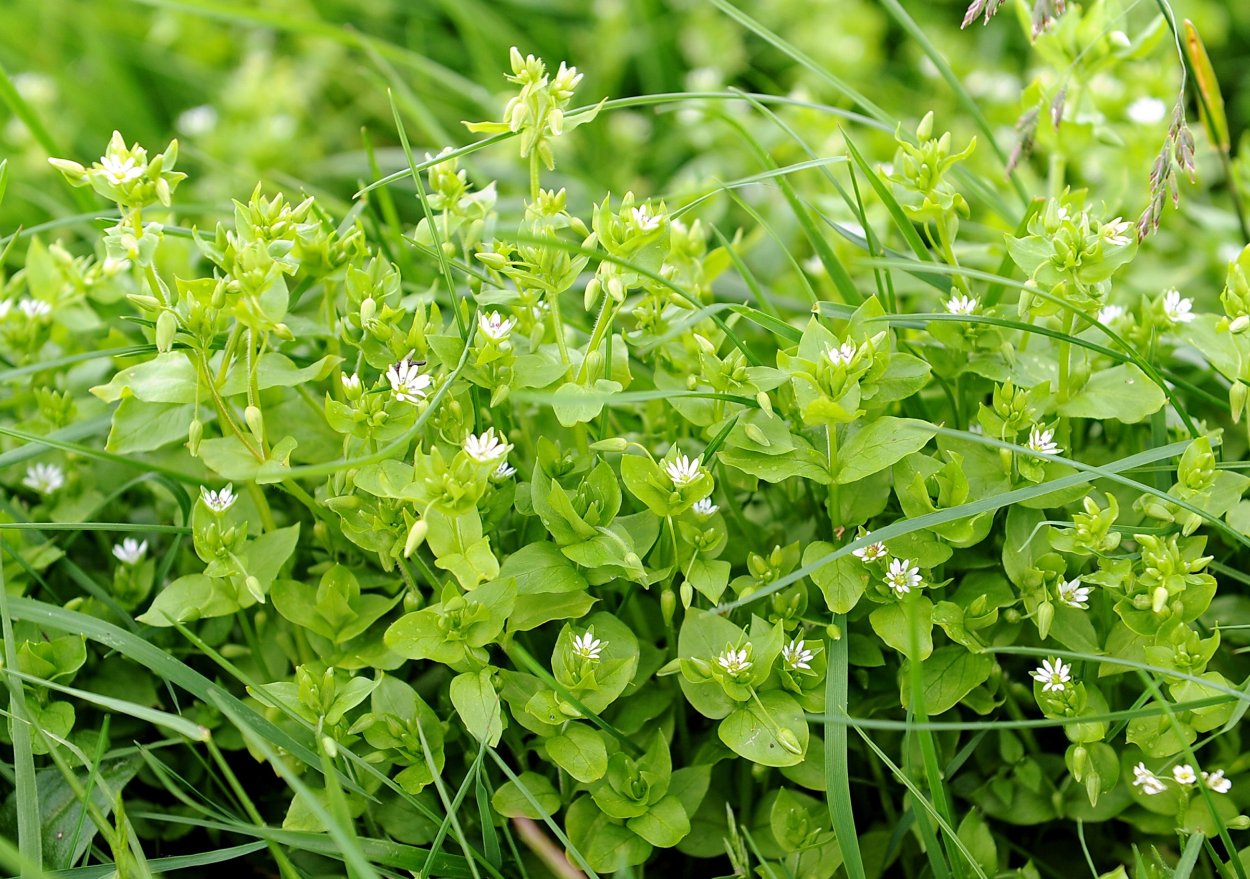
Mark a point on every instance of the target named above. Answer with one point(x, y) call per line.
point(281, 89)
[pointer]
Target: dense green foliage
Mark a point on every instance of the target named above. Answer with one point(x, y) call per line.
point(770, 448)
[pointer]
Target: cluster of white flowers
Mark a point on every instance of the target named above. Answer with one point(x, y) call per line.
point(1183, 775)
point(1053, 674)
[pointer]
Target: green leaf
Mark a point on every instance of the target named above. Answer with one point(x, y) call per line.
point(664, 824)
point(477, 703)
point(906, 625)
point(879, 445)
point(771, 733)
point(842, 581)
point(580, 751)
point(511, 802)
point(1122, 393)
point(577, 404)
point(142, 427)
point(189, 598)
point(949, 675)
point(541, 568)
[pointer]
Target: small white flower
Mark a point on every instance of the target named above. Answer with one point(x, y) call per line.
point(734, 661)
point(1109, 314)
point(1184, 774)
point(705, 507)
point(486, 447)
point(961, 305)
point(503, 471)
point(218, 501)
point(1147, 111)
point(494, 327)
point(1176, 309)
point(870, 553)
point(408, 383)
point(1114, 232)
point(130, 551)
point(1042, 441)
point(586, 646)
point(796, 656)
point(35, 308)
point(351, 383)
point(1149, 783)
point(903, 576)
point(44, 478)
point(683, 470)
point(1073, 594)
point(1217, 782)
point(119, 171)
point(842, 355)
point(644, 219)
point(1053, 674)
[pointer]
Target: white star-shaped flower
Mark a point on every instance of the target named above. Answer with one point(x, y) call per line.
point(1109, 314)
point(1073, 594)
point(871, 552)
point(1149, 783)
point(734, 661)
point(120, 171)
point(494, 327)
point(408, 383)
point(586, 646)
point(486, 447)
point(44, 478)
point(1053, 674)
point(1177, 309)
point(796, 656)
point(644, 219)
point(842, 355)
point(1114, 232)
point(503, 471)
point(1184, 774)
point(1217, 782)
point(705, 507)
point(130, 551)
point(961, 305)
point(682, 470)
point(1042, 441)
point(903, 576)
point(218, 501)
point(35, 308)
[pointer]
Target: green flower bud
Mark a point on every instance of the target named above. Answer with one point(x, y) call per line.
point(166, 328)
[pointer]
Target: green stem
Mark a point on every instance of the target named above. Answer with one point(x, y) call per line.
point(534, 188)
point(1065, 357)
point(833, 501)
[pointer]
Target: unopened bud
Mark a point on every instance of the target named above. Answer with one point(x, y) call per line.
point(166, 328)
point(789, 741)
point(1239, 324)
point(1159, 599)
point(668, 606)
point(765, 401)
point(283, 332)
point(255, 422)
point(612, 444)
point(416, 536)
point(368, 309)
point(194, 434)
point(1045, 616)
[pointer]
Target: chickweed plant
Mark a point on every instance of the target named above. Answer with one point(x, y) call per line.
point(875, 512)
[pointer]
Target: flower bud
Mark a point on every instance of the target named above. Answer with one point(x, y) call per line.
point(1045, 616)
point(368, 308)
point(255, 422)
point(687, 594)
point(834, 631)
point(416, 536)
point(144, 302)
point(1239, 324)
point(492, 260)
point(612, 444)
point(166, 328)
point(1237, 400)
point(765, 401)
point(253, 586)
point(668, 606)
point(194, 434)
point(283, 332)
point(789, 741)
point(1159, 599)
